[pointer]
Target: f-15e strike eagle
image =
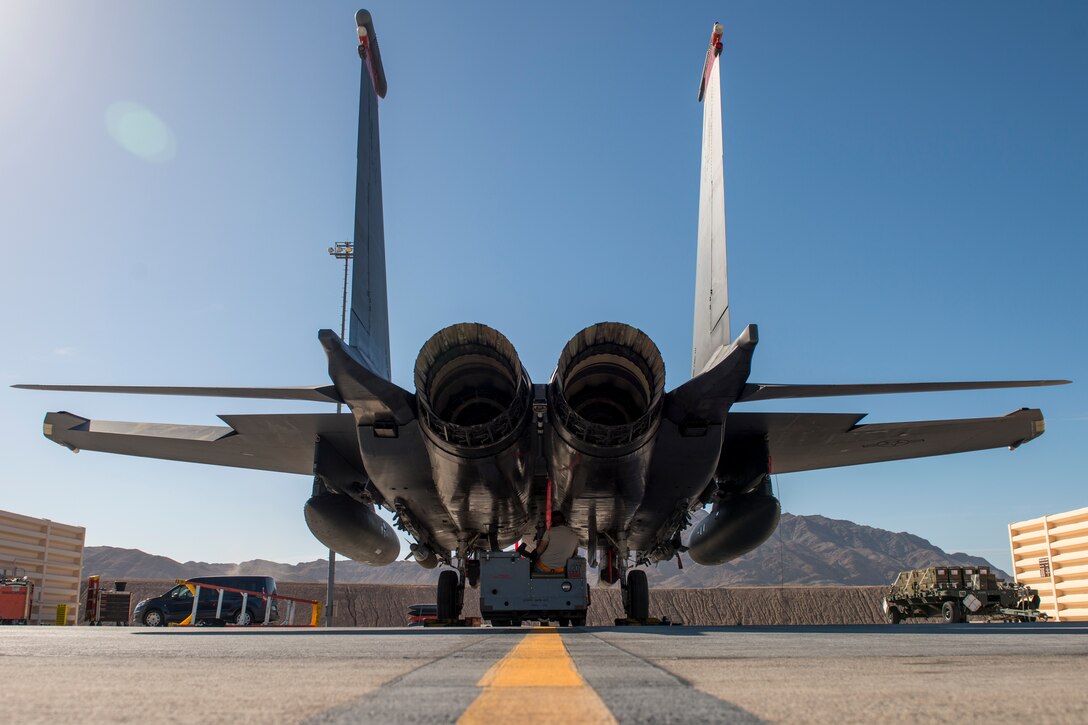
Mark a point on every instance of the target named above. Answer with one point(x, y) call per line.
point(479, 455)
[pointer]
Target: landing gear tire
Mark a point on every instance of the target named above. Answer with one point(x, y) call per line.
point(951, 612)
point(638, 596)
point(563, 622)
point(448, 596)
point(472, 572)
point(578, 622)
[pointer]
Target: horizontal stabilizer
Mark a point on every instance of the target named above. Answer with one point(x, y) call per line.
point(315, 393)
point(808, 441)
point(760, 391)
point(282, 443)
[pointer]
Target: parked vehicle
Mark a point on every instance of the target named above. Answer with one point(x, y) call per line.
point(175, 605)
point(16, 596)
point(955, 592)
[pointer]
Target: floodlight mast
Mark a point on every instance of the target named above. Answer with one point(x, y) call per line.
point(344, 251)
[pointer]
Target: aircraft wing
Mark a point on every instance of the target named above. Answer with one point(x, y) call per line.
point(808, 441)
point(266, 442)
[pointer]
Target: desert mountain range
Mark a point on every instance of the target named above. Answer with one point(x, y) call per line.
point(805, 550)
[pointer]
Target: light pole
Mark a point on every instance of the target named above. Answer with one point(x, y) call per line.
point(344, 251)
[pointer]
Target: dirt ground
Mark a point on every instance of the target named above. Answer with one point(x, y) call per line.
point(385, 605)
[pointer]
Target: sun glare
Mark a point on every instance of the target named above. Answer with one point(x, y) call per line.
point(140, 132)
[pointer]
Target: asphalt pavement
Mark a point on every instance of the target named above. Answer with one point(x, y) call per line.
point(936, 673)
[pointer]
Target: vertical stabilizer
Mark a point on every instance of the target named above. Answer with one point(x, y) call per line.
point(369, 326)
point(711, 287)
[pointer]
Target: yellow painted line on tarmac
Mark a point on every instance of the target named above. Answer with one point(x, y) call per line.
point(536, 682)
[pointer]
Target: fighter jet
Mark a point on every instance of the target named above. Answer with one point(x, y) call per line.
point(478, 455)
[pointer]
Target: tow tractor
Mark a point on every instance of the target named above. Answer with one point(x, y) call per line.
point(511, 590)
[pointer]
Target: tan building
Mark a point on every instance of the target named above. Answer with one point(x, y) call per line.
point(1050, 554)
point(52, 556)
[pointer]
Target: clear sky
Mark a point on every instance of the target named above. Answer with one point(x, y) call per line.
point(906, 194)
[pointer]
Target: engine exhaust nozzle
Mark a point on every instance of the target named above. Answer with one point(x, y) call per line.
point(473, 392)
point(608, 387)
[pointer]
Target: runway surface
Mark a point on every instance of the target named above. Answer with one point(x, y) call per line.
point(937, 673)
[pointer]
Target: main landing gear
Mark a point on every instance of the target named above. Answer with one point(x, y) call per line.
point(636, 596)
point(451, 596)
point(634, 587)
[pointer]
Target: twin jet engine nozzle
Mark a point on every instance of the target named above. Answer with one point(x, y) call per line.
point(475, 404)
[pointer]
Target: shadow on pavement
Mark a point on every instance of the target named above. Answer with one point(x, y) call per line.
point(981, 628)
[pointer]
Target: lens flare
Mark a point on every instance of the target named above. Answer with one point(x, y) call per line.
point(140, 132)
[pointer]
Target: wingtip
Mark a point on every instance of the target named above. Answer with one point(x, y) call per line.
point(1038, 425)
point(62, 421)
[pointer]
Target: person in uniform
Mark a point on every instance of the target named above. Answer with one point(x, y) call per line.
point(558, 544)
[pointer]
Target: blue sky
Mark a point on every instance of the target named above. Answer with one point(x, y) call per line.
point(906, 194)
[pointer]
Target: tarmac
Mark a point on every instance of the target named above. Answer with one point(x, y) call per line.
point(905, 673)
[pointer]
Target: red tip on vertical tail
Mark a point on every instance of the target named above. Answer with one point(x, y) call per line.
point(369, 52)
point(712, 54)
